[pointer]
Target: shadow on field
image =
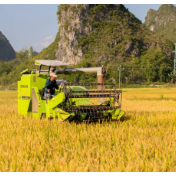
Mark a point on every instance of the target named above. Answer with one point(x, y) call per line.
point(133, 115)
point(102, 121)
point(125, 118)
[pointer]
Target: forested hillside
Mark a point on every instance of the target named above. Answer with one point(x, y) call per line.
point(163, 21)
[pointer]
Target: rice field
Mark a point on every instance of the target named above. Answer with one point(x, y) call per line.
point(144, 140)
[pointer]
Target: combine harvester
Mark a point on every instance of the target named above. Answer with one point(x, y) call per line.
point(74, 101)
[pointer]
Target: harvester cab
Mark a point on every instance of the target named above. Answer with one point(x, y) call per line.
point(73, 101)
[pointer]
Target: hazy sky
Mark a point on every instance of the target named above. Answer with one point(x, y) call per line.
point(37, 25)
point(29, 25)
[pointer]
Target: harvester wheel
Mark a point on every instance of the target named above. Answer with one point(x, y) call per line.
point(43, 116)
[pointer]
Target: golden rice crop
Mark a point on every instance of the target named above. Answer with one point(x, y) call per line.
point(144, 140)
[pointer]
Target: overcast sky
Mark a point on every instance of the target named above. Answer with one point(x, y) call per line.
point(37, 25)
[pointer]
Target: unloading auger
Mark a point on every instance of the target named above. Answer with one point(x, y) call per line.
point(74, 101)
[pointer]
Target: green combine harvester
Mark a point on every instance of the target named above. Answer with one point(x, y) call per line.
point(74, 101)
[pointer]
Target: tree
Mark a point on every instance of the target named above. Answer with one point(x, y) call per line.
point(156, 65)
point(31, 52)
point(22, 54)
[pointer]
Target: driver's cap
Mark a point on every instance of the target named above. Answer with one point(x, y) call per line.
point(53, 75)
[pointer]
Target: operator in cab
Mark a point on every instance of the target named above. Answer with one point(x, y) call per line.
point(51, 84)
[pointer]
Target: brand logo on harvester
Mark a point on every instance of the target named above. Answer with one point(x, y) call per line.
point(24, 86)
